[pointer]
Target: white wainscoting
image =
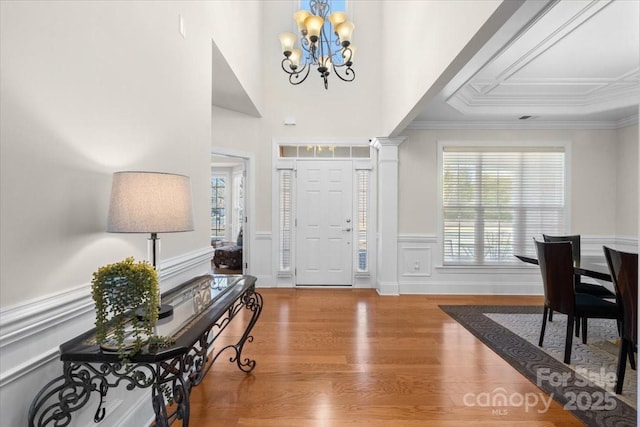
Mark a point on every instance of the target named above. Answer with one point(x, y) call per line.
point(262, 260)
point(31, 333)
point(420, 269)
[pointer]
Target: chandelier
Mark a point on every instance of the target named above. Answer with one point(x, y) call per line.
point(321, 48)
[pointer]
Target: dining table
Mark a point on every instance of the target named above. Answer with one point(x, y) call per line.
point(594, 267)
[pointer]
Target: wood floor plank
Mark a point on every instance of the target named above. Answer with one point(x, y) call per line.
point(338, 357)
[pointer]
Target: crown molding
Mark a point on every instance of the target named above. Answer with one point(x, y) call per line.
point(524, 78)
point(536, 124)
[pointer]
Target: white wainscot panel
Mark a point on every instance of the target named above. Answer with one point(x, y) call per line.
point(31, 333)
point(261, 263)
point(421, 272)
point(415, 261)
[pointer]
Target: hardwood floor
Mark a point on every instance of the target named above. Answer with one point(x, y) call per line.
point(332, 357)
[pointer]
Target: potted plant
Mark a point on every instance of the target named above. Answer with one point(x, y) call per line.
point(119, 290)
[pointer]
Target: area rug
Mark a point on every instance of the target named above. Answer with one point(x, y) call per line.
point(584, 387)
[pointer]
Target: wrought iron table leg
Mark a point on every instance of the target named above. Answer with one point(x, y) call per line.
point(171, 384)
point(69, 392)
point(252, 300)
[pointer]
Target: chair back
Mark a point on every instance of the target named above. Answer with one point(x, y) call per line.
point(624, 272)
point(556, 267)
point(575, 243)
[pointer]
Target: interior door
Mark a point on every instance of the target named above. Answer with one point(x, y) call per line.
point(324, 235)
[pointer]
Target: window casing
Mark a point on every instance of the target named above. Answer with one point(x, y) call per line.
point(238, 203)
point(496, 199)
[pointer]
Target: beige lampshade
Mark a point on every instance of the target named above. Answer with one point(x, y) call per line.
point(299, 17)
point(337, 18)
point(345, 30)
point(287, 40)
point(150, 202)
point(314, 25)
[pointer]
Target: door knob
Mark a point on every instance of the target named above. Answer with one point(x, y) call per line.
point(349, 220)
point(346, 229)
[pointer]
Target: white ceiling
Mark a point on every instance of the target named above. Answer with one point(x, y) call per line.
point(558, 61)
point(570, 61)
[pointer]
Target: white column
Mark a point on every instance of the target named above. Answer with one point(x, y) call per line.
point(387, 206)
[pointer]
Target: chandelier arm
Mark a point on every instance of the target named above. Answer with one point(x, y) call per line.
point(325, 43)
point(349, 74)
point(313, 54)
point(289, 70)
point(347, 59)
point(304, 43)
point(295, 76)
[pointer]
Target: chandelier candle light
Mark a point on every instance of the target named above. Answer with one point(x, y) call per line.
point(326, 52)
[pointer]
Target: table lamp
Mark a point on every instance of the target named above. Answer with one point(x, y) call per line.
point(150, 202)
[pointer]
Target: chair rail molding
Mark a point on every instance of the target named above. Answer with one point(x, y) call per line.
point(429, 277)
point(31, 333)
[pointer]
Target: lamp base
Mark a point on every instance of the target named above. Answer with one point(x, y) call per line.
point(164, 310)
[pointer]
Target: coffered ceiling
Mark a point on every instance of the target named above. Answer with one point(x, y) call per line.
point(573, 60)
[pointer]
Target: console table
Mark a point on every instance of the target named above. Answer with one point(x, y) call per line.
point(203, 308)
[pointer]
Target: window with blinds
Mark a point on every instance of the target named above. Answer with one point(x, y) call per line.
point(495, 199)
point(285, 219)
point(363, 201)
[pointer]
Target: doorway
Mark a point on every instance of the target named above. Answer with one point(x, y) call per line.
point(323, 213)
point(228, 214)
point(324, 233)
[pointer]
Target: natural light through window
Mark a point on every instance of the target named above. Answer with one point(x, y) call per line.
point(336, 6)
point(218, 219)
point(496, 199)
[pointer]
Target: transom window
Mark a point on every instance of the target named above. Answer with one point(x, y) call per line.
point(495, 199)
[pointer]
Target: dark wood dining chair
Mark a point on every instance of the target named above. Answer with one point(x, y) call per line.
point(556, 267)
point(624, 271)
point(581, 287)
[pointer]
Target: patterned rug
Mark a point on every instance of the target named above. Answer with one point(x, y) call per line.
point(585, 386)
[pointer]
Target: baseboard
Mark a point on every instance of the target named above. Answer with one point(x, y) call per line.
point(470, 288)
point(388, 288)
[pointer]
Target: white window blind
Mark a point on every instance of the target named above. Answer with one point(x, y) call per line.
point(285, 219)
point(363, 208)
point(495, 199)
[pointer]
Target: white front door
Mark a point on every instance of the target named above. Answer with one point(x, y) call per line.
point(324, 232)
